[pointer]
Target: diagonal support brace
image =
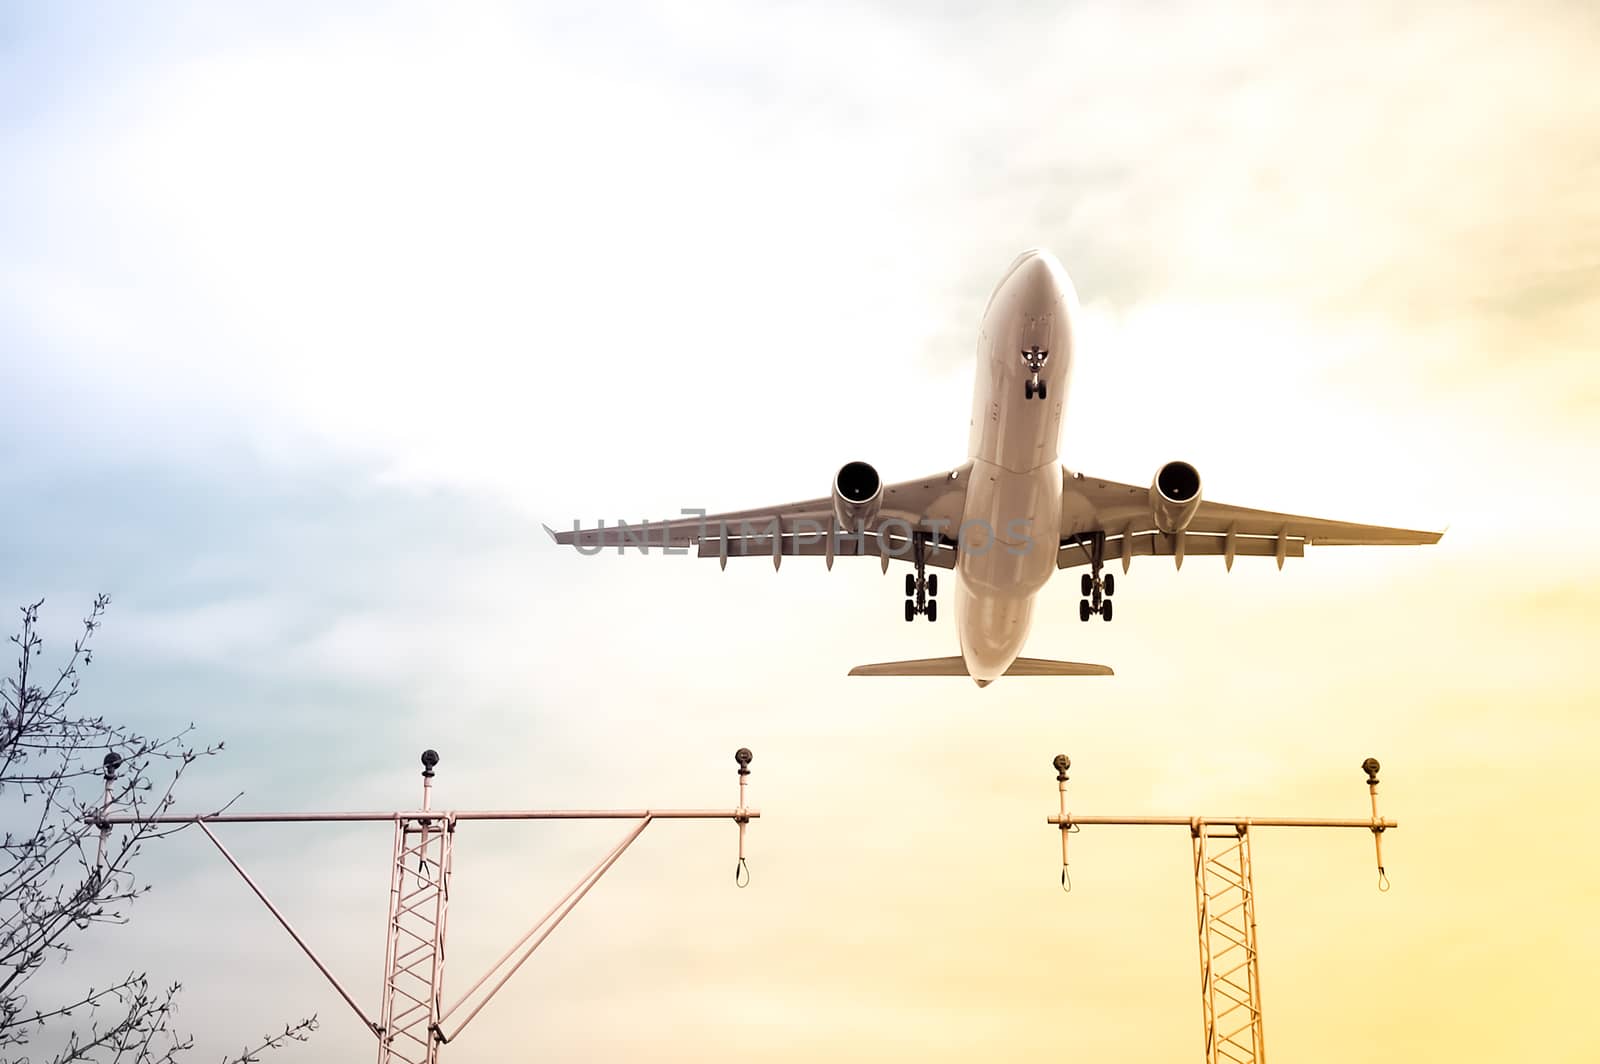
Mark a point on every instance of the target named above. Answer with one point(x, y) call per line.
point(273, 909)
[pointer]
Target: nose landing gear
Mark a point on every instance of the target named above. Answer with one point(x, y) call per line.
point(921, 588)
point(1097, 590)
point(1034, 358)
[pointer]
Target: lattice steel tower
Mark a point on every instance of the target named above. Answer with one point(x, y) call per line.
point(1225, 911)
point(419, 907)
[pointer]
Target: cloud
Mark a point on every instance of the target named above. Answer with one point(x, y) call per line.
point(421, 241)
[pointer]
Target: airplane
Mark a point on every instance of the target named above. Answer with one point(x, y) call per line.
point(1009, 517)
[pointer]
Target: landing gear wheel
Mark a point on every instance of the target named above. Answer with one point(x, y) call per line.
point(919, 587)
point(1027, 389)
point(1086, 585)
point(933, 586)
point(933, 611)
point(1110, 584)
point(1039, 391)
point(1105, 610)
point(1083, 609)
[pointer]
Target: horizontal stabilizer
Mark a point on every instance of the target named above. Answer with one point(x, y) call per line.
point(958, 667)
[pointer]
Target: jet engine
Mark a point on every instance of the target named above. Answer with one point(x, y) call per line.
point(857, 494)
point(1175, 496)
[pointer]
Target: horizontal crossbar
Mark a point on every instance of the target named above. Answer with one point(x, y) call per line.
point(1222, 821)
point(430, 814)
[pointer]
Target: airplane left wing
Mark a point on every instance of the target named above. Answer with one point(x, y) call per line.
point(930, 506)
point(1122, 514)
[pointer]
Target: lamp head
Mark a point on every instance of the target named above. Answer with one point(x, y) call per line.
point(112, 762)
point(1062, 763)
point(1370, 767)
point(743, 757)
point(430, 758)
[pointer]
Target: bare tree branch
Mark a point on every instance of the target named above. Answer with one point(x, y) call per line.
point(63, 869)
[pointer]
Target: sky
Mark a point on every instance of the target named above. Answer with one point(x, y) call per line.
point(310, 315)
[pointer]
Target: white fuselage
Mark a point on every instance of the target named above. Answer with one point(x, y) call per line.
point(1012, 520)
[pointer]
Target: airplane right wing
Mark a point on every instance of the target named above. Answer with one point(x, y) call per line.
point(931, 506)
point(1121, 514)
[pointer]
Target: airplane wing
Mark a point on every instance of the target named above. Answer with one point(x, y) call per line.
point(1121, 512)
point(931, 505)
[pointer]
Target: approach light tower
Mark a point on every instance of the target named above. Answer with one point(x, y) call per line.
point(412, 1016)
point(1225, 909)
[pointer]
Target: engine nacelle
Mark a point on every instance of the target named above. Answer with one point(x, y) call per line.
point(1175, 496)
point(857, 494)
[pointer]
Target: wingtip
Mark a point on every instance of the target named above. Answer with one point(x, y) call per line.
point(550, 532)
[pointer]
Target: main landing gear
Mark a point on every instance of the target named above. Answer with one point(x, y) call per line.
point(921, 587)
point(1034, 358)
point(1097, 590)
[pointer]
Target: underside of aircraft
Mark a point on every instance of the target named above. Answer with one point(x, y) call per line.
point(1010, 517)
